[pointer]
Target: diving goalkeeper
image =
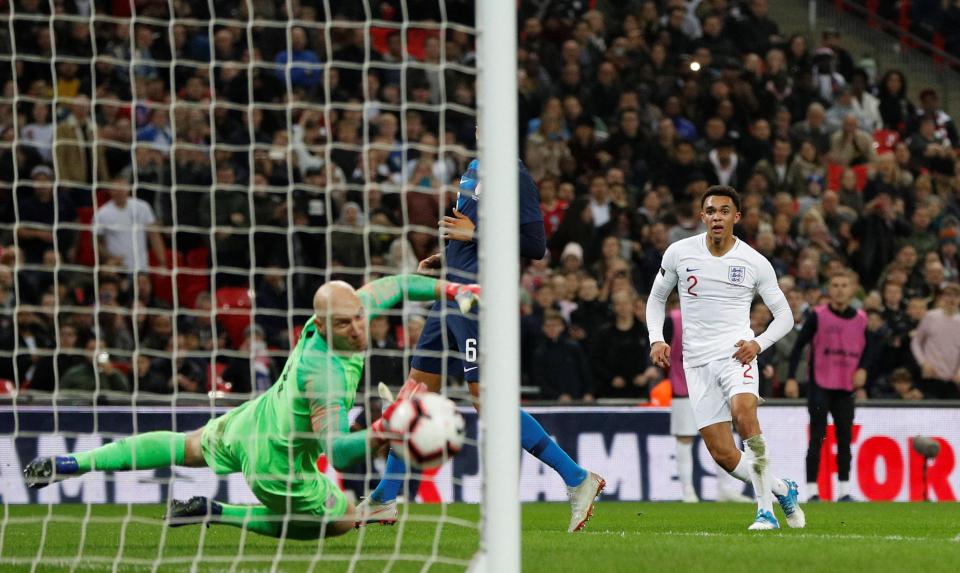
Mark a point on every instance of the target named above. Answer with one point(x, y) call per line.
point(276, 438)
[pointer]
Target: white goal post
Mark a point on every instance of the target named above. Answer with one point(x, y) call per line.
point(499, 277)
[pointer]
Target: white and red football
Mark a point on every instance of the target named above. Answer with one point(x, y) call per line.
point(429, 427)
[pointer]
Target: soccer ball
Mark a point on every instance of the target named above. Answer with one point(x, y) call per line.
point(429, 427)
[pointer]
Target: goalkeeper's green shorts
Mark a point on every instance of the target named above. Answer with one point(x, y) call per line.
point(226, 446)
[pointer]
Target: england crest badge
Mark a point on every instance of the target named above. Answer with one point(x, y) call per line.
point(736, 274)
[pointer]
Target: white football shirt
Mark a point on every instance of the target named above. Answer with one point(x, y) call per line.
point(715, 298)
point(124, 231)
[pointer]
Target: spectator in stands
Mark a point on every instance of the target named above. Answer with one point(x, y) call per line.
point(79, 160)
point(148, 378)
point(621, 372)
point(253, 371)
point(95, 375)
point(830, 38)
point(38, 213)
point(38, 134)
point(877, 231)
point(930, 148)
point(812, 128)
point(933, 280)
point(830, 84)
point(843, 107)
point(715, 38)
point(900, 387)
point(867, 104)
point(851, 145)
point(384, 362)
point(68, 354)
point(809, 172)
point(936, 346)
point(945, 128)
point(779, 172)
point(157, 135)
point(724, 165)
point(304, 68)
point(895, 108)
point(756, 32)
point(123, 227)
point(559, 367)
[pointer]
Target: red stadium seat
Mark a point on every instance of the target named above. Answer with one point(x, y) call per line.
point(295, 335)
point(885, 140)
point(191, 283)
point(215, 378)
point(163, 281)
point(233, 312)
point(85, 254)
point(835, 174)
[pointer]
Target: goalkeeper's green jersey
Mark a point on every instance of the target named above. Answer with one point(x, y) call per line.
point(275, 433)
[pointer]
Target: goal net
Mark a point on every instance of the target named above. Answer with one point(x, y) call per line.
point(176, 181)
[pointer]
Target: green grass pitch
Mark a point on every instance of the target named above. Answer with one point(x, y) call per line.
point(621, 537)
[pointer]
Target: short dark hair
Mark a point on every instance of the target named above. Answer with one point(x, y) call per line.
point(722, 191)
point(553, 315)
point(900, 375)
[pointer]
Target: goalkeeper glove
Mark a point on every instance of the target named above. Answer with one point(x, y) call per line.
point(410, 389)
point(466, 296)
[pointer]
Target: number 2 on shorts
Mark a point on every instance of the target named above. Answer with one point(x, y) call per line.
point(746, 373)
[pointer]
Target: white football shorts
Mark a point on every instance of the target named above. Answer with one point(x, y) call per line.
point(682, 422)
point(712, 385)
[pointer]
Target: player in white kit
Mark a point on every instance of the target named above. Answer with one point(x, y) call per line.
point(718, 276)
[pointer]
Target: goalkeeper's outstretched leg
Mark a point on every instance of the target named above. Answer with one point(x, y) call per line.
point(314, 511)
point(151, 450)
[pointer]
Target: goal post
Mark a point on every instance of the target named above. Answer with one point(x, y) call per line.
point(499, 278)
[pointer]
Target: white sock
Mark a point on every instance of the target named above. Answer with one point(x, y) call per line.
point(742, 471)
point(843, 488)
point(685, 466)
point(812, 489)
point(756, 448)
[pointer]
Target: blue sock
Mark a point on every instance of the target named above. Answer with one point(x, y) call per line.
point(535, 440)
point(389, 487)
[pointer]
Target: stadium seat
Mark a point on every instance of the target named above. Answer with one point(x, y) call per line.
point(295, 335)
point(191, 283)
point(835, 174)
point(215, 377)
point(163, 281)
point(885, 140)
point(233, 312)
point(85, 253)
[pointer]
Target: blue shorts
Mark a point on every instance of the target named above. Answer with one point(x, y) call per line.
point(453, 332)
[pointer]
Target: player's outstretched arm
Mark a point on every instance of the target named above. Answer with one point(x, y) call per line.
point(663, 284)
point(384, 293)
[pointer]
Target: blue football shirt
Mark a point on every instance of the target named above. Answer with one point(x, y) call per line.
point(461, 257)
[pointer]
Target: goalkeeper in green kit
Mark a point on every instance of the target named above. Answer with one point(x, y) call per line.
point(276, 438)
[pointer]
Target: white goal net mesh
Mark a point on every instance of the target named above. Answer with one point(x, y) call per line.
point(176, 180)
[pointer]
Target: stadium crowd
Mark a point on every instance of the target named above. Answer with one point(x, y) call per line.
point(188, 171)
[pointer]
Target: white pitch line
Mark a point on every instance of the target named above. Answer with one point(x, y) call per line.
point(784, 534)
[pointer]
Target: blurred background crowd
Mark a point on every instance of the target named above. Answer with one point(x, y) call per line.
point(159, 178)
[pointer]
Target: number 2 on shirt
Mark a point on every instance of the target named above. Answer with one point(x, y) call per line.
point(693, 282)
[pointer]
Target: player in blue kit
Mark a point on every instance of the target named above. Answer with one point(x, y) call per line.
point(455, 331)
